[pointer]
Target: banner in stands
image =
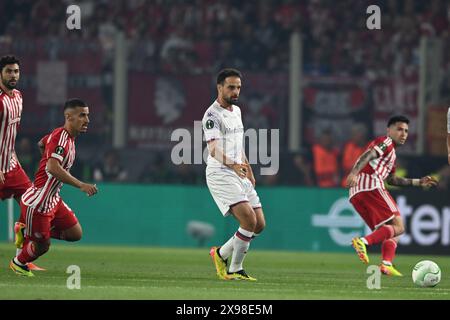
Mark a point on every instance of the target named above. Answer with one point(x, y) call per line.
point(157, 105)
point(53, 70)
point(334, 103)
point(427, 221)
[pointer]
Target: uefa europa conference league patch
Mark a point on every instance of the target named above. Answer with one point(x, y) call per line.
point(59, 150)
point(209, 124)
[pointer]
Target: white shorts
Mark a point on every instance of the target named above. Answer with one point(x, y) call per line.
point(228, 189)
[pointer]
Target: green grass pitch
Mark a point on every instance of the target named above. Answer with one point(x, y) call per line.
point(177, 274)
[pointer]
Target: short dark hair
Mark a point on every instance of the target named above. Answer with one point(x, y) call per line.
point(228, 72)
point(8, 59)
point(74, 103)
point(398, 118)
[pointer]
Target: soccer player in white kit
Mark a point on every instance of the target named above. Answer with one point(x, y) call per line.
point(229, 176)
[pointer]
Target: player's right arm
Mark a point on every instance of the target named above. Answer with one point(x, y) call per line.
point(57, 171)
point(218, 154)
point(42, 143)
point(362, 161)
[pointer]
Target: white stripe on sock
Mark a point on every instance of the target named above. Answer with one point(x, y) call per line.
point(246, 233)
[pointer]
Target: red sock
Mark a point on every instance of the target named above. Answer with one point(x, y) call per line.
point(28, 252)
point(388, 250)
point(379, 235)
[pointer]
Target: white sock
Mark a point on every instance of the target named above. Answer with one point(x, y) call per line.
point(18, 251)
point(241, 243)
point(226, 249)
point(18, 262)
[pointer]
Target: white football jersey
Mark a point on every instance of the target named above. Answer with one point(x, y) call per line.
point(226, 127)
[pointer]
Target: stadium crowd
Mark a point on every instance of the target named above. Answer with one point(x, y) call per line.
point(202, 36)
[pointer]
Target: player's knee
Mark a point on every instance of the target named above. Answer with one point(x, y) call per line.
point(260, 227)
point(249, 224)
point(399, 230)
point(252, 222)
point(42, 247)
point(74, 236)
point(247, 219)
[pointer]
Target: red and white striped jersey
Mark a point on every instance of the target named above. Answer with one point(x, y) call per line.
point(43, 195)
point(372, 176)
point(10, 113)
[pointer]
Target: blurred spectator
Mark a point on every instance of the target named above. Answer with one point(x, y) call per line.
point(110, 169)
point(256, 115)
point(325, 159)
point(28, 156)
point(316, 65)
point(445, 87)
point(157, 171)
point(353, 149)
point(252, 34)
point(177, 51)
point(269, 180)
point(299, 171)
point(443, 176)
point(81, 169)
point(185, 174)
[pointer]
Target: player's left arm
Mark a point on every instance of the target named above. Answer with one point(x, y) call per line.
point(426, 181)
point(41, 147)
point(250, 175)
point(41, 144)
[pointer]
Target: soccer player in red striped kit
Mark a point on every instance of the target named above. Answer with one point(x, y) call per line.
point(13, 179)
point(45, 214)
point(373, 202)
